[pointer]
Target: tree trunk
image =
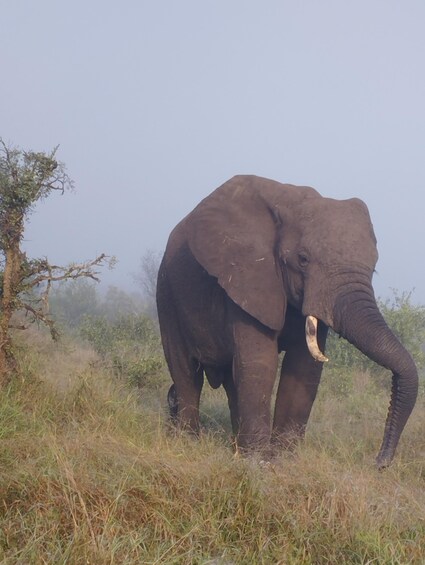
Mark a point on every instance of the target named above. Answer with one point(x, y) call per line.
point(11, 277)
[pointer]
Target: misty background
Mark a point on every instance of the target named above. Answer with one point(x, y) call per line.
point(157, 103)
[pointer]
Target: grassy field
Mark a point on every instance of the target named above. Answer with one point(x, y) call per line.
point(91, 474)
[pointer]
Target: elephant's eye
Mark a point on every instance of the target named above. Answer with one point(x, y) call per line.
point(303, 259)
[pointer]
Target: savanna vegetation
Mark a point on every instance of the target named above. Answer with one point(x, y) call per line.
point(91, 472)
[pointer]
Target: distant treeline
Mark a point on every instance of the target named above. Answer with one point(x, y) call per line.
point(122, 328)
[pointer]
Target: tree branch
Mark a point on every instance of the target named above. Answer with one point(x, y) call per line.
point(40, 272)
point(53, 273)
point(39, 316)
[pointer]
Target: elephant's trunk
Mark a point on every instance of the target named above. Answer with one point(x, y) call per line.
point(358, 319)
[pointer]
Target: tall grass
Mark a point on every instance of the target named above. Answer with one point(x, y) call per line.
point(91, 473)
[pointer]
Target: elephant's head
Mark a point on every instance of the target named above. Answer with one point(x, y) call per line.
point(270, 244)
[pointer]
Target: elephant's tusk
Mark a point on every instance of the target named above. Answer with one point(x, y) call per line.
point(311, 338)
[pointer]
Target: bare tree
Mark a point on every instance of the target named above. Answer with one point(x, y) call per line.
point(146, 278)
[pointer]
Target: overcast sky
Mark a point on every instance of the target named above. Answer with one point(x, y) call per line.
point(155, 104)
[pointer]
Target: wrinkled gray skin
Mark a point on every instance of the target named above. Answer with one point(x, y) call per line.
point(239, 276)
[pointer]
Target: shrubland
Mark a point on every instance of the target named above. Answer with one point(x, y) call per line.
point(91, 472)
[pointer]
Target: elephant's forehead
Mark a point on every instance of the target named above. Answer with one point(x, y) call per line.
point(342, 227)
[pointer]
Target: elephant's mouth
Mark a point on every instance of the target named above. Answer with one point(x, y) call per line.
point(311, 338)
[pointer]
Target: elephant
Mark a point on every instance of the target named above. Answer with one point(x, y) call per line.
point(257, 268)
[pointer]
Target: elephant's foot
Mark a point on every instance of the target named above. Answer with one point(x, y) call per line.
point(255, 447)
point(289, 439)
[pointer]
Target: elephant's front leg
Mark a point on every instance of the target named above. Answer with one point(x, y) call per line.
point(299, 380)
point(254, 370)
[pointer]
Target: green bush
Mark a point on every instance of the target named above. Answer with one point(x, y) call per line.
point(131, 345)
point(408, 323)
point(406, 320)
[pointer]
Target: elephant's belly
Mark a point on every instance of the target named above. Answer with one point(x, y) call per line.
point(209, 336)
point(211, 346)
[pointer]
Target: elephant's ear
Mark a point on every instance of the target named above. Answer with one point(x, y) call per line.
point(232, 234)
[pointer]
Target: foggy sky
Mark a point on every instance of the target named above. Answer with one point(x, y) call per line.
point(155, 104)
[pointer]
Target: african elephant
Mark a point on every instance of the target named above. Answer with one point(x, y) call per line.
point(255, 268)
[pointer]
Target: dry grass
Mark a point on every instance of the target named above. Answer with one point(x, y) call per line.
point(90, 474)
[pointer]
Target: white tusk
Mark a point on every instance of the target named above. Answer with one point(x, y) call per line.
point(311, 338)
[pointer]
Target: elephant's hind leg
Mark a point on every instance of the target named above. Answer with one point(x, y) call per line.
point(186, 372)
point(232, 399)
point(188, 393)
